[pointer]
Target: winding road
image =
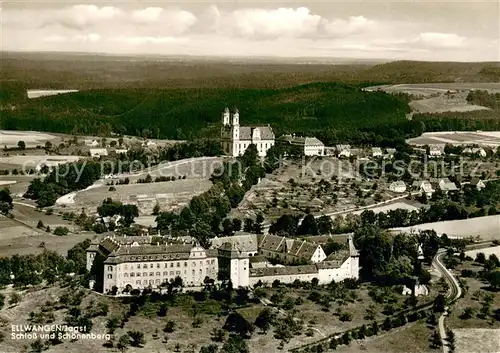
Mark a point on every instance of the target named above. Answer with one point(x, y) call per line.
point(455, 291)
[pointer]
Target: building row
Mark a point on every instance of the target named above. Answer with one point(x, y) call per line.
point(122, 264)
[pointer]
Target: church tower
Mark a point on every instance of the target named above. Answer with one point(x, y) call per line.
point(236, 132)
point(225, 117)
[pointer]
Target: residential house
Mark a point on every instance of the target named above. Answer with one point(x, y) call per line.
point(397, 186)
point(435, 151)
point(343, 151)
point(376, 152)
point(424, 186)
point(390, 153)
point(92, 143)
point(478, 183)
point(446, 185)
point(98, 152)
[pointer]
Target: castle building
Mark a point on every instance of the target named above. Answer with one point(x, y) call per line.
point(122, 264)
point(235, 139)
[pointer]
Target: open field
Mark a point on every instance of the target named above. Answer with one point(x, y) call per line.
point(483, 138)
point(36, 93)
point(412, 338)
point(488, 251)
point(17, 184)
point(454, 103)
point(405, 205)
point(477, 340)
point(31, 161)
point(16, 238)
point(439, 97)
point(169, 195)
point(192, 168)
point(31, 138)
point(487, 227)
point(426, 89)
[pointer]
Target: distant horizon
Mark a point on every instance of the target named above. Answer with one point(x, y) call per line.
point(323, 59)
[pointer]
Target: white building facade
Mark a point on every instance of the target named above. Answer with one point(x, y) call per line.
point(235, 139)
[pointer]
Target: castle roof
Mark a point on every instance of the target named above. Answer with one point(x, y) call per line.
point(283, 270)
point(244, 242)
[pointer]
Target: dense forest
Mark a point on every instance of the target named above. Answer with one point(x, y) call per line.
point(332, 111)
point(479, 97)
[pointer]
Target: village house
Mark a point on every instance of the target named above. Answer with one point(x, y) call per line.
point(397, 186)
point(376, 152)
point(98, 152)
point(343, 151)
point(92, 143)
point(445, 185)
point(478, 183)
point(435, 151)
point(310, 146)
point(235, 139)
point(424, 186)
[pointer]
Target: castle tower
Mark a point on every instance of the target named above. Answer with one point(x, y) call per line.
point(233, 265)
point(225, 117)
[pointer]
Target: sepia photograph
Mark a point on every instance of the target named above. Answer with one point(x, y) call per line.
point(208, 176)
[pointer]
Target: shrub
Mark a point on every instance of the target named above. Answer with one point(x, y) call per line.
point(61, 231)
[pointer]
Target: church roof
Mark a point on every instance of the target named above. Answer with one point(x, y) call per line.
point(266, 132)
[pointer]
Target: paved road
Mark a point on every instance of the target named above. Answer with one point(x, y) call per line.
point(455, 291)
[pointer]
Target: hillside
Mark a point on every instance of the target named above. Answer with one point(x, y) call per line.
point(329, 110)
point(92, 71)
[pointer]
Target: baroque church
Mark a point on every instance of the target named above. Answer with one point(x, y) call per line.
point(235, 139)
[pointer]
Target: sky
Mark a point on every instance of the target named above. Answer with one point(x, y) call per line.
point(365, 29)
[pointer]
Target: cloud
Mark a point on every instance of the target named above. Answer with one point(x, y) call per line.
point(81, 38)
point(139, 40)
point(434, 40)
point(353, 25)
point(282, 22)
point(149, 14)
point(82, 16)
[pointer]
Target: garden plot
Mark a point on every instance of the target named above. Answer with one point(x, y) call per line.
point(322, 187)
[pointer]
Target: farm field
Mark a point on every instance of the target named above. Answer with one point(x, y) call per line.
point(487, 227)
point(28, 162)
point(413, 338)
point(487, 251)
point(454, 103)
point(432, 88)
point(169, 195)
point(16, 238)
point(439, 97)
point(192, 168)
point(31, 138)
point(483, 138)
